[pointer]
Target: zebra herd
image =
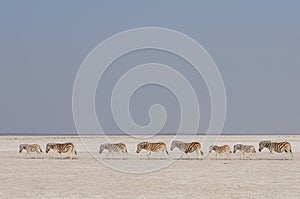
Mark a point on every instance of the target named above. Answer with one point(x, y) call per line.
point(185, 148)
point(56, 147)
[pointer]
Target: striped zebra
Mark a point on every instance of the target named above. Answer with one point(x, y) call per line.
point(31, 148)
point(187, 148)
point(278, 147)
point(220, 149)
point(61, 148)
point(152, 147)
point(245, 149)
point(111, 148)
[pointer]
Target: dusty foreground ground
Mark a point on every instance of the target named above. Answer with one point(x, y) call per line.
point(92, 176)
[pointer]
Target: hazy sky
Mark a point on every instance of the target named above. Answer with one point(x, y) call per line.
point(256, 46)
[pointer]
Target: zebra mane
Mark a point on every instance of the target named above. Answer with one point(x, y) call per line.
point(143, 144)
point(23, 146)
point(177, 142)
point(212, 147)
point(105, 145)
point(265, 143)
point(51, 145)
point(238, 146)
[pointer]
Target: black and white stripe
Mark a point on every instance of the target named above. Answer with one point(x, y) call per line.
point(220, 149)
point(187, 148)
point(61, 148)
point(113, 148)
point(245, 149)
point(152, 147)
point(278, 147)
point(31, 148)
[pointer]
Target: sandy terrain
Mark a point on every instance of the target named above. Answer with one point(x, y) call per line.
point(91, 177)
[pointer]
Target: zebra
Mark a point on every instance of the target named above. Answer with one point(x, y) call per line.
point(111, 148)
point(187, 148)
point(245, 149)
point(220, 149)
point(61, 148)
point(152, 147)
point(278, 147)
point(31, 148)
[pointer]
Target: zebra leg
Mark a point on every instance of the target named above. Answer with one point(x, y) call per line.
point(285, 155)
point(227, 155)
point(189, 156)
point(255, 156)
point(161, 154)
point(216, 155)
point(272, 155)
point(148, 154)
point(27, 153)
point(126, 154)
point(107, 154)
point(198, 154)
point(292, 157)
point(181, 155)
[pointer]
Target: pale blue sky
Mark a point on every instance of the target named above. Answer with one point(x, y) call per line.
point(256, 46)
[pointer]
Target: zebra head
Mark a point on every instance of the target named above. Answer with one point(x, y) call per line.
point(264, 144)
point(102, 147)
point(237, 147)
point(211, 148)
point(21, 147)
point(173, 145)
point(49, 146)
point(141, 146)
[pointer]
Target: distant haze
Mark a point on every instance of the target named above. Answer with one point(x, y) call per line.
point(255, 45)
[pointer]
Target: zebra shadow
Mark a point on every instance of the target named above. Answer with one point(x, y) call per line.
point(154, 158)
point(32, 158)
point(219, 159)
point(115, 158)
point(63, 158)
point(280, 159)
point(187, 159)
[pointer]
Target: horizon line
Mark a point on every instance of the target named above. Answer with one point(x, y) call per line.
point(160, 134)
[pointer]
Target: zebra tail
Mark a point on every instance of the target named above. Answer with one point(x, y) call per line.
point(230, 151)
point(126, 151)
point(167, 152)
point(201, 152)
point(73, 150)
point(41, 150)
